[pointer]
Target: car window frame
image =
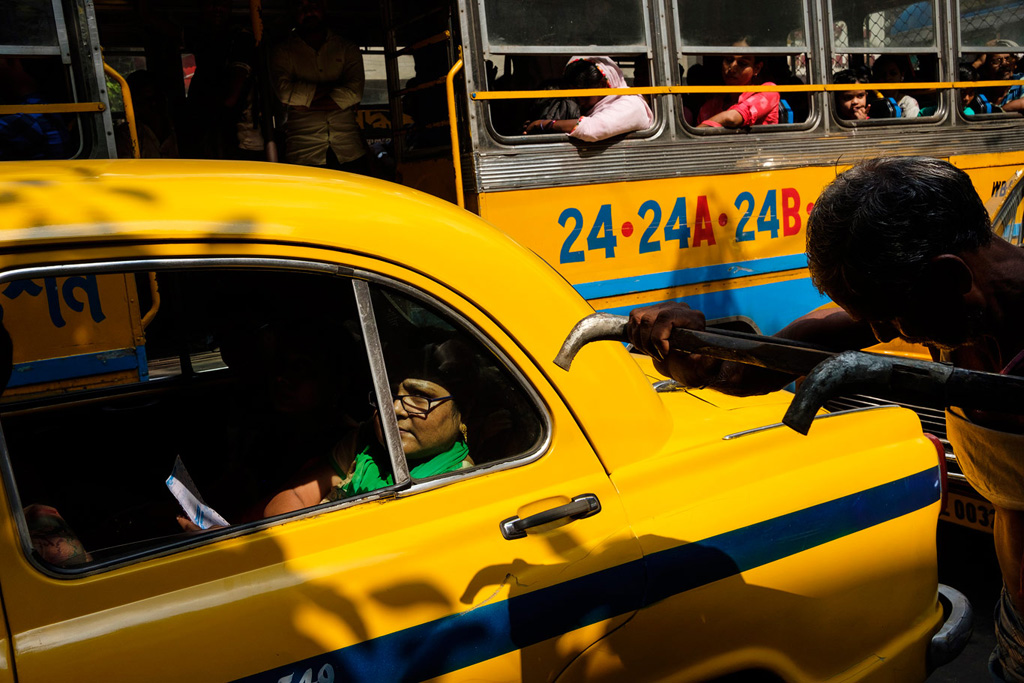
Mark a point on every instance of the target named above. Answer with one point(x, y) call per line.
point(361, 279)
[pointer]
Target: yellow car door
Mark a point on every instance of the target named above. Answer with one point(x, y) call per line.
point(505, 569)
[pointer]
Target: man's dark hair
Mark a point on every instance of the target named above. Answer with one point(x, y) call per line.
point(876, 226)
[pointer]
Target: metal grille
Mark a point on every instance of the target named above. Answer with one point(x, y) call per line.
point(909, 25)
point(982, 21)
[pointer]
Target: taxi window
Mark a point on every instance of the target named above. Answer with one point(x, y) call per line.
point(152, 411)
point(772, 35)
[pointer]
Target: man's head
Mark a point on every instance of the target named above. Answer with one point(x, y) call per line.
point(310, 14)
point(886, 239)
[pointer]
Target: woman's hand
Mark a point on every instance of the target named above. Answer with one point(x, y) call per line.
point(548, 126)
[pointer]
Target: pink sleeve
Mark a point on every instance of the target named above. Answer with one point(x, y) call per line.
point(623, 115)
point(756, 107)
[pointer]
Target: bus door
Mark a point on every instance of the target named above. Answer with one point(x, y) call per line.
point(60, 52)
point(420, 50)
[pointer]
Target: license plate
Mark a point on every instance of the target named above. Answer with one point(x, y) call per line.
point(973, 513)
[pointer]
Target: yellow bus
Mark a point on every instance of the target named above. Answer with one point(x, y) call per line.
point(710, 216)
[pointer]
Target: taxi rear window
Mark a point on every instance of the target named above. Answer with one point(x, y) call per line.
point(151, 410)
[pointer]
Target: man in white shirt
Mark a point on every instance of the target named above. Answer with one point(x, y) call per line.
point(319, 76)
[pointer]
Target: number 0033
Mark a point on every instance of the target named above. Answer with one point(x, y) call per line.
point(969, 512)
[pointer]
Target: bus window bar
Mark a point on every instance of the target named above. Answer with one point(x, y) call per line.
point(30, 50)
point(717, 89)
point(422, 86)
point(701, 50)
point(59, 108)
point(453, 117)
point(129, 108)
point(436, 38)
point(879, 50)
point(606, 50)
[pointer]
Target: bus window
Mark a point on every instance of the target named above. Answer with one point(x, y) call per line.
point(891, 47)
point(712, 39)
point(990, 37)
point(527, 46)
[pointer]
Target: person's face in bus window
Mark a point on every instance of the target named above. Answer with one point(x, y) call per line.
point(852, 104)
point(1000, 65)
point(310, 13)
point(891, 74)
point(966, 95)
point(739, 69)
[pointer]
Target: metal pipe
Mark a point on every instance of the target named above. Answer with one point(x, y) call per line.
point(453, 119)
point(129, 110)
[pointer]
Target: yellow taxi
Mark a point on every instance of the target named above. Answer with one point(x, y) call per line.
point(198, 484)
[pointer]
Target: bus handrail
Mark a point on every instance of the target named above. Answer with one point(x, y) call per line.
point(129, 110)
point(154, 307)
point(436, 38)
point(59, 108)
point(452, 116)
point(718, 89)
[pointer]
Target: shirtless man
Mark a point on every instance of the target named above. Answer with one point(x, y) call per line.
point(905, 247)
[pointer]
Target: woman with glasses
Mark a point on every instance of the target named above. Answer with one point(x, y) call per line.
point(430, 403)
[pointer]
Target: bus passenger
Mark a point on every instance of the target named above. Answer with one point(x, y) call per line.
point(1000, 66)
point(603, 117)
point(741, 109)
point(432, 403)
point(319, 76)
point(28, 136)
point(892, 69)
point(852, 104)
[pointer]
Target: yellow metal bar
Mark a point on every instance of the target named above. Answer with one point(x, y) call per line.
point(67, 108)
point(154, 292)
point(456, 157)
point(436, 38)
point(129, 110)
point(714, 89)
point(256, 18)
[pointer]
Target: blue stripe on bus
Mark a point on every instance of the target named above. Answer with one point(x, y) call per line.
point(493, 629)
point(772, 306)
point(689, 276)
point(70, 367)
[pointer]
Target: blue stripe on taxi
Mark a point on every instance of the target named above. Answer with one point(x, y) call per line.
point(455, 642)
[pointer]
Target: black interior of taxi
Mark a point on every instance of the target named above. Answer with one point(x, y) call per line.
point(252, 375)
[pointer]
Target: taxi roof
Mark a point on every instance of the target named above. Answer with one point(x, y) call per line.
point(81, 207)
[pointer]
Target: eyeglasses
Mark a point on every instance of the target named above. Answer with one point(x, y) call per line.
point(415, 405)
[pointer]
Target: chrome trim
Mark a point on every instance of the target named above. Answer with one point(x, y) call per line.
point(381, 384)
point(736, 435)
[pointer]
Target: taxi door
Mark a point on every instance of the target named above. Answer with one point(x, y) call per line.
point(412, 585)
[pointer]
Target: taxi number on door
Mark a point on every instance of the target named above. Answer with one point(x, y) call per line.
point(969, 512)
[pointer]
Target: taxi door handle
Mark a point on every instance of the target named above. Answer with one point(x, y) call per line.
point(581, 506)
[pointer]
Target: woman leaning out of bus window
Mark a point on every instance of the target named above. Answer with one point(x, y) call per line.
point(603, 117)
point(733, 110)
